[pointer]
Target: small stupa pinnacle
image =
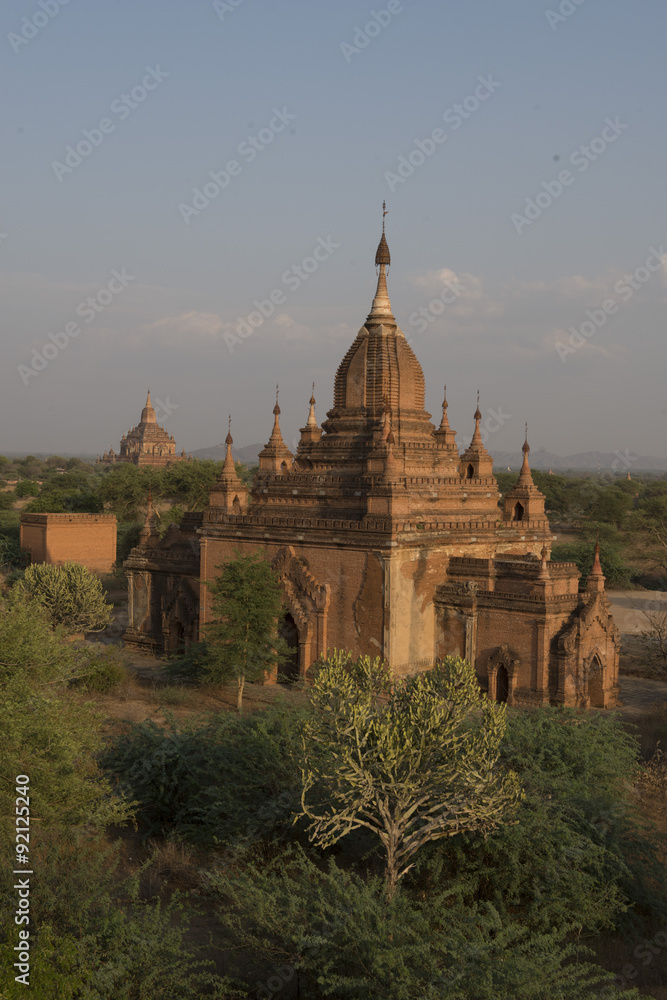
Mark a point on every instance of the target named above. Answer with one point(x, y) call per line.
point(381, 308)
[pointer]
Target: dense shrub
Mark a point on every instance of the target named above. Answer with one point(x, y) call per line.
point(93, 937)
point(102, 673)
point(72, 596)
point(336, 932)
point(26, 488)
point(576, 855)
point(212, 782)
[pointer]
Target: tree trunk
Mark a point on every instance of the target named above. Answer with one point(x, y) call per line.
point(392, 874)
point(239, 693)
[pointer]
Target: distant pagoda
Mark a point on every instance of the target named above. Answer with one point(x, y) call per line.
point(147, 443)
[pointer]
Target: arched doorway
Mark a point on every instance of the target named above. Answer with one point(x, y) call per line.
point(518, 512)
point(289, 669)
point(502, 685)
point(470, 472)
point(177, 638)
point(595, 684)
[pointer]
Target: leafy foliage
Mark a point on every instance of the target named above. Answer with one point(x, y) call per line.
point(94, 939)
point(413, 761)
point(212, 782)
point(617, 572)
point(337, 931)
point(242, 640)
point(72, 596)
point(577, 855)
point(26, 488)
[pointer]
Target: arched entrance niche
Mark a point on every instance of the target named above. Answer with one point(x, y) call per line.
point(306, 604)
point(595, 683)
point(289, 669)
point(502, 685)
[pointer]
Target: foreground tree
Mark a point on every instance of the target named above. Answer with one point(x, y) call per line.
point(243, 642)
point(412, 761)
point(72, 596)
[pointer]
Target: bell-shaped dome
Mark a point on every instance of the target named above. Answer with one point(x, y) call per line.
point(380, 367)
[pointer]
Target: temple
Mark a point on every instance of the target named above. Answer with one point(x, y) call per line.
point(146, 444)
point(389, 542)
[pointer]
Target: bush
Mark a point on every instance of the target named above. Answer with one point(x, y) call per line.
point(335, 929)
point(72, 596)
point(26, 488)
point(576, 856)
point(29, 647)
point(212, 782)
point(96, 939)
point(103, 674)
point(127, 538)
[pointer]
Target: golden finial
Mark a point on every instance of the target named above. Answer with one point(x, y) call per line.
point(384, 212)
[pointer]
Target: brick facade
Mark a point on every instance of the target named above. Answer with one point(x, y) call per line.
point(88, 539)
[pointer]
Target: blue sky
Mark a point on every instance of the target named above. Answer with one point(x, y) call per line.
point(220, 72)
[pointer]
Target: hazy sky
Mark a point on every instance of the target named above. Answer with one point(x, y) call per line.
point(520, 146)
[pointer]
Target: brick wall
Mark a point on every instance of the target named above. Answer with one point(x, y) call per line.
point(88, 539)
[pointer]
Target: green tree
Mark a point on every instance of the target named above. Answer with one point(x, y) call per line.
point(242, 640)
point(26, 488)
point(617, 572)
point(413, 761)
point(188, 483)
point(125, 488)
point(72, 596)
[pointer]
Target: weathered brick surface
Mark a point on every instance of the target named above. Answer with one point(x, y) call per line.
point(88, 539)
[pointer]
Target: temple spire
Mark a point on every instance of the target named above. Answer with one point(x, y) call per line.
point(444, 423)
point(148, 413)
point(525, 476)
point(275, 433)
point(149, 529)
point(228, 468)
point(312, 419)
point(477, 436)
point(381, 307)
point(276, 456)
point(596, 579)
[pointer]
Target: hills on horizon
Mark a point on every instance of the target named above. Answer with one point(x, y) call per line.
point(618, 462)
